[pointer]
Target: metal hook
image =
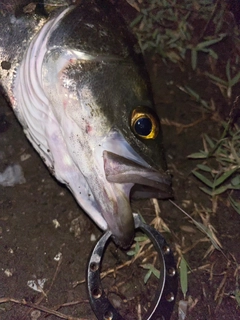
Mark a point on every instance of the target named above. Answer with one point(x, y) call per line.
point(162, 306)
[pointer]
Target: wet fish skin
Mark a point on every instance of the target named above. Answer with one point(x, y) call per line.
point(73, 78)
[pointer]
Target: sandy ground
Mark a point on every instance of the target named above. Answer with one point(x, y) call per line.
point(40, 219)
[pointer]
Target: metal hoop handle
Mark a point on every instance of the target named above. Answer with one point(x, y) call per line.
point(162, 306)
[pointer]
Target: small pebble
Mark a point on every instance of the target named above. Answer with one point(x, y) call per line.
point(25, 156)
point(35, 314)
point(56, 223)
point(93, 237)
point(8, 272)
point(58, 256)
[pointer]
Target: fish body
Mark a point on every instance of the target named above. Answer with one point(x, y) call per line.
point(79, 88)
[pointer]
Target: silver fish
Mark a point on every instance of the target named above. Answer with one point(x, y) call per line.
point(78, 86)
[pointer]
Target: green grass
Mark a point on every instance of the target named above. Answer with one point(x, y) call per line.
point(169, 29)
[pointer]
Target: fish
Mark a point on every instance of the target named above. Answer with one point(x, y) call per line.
point(76, 81)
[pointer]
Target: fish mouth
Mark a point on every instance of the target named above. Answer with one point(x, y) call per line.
point(131, 180)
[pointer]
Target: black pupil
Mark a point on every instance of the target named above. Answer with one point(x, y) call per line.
point(143, 126)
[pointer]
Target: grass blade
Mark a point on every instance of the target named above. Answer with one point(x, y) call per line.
point(192, 93)
point(147, 276)
point(194, 59)
point(207, 191)
point(209, 141)
point(216, 79)
point(205, 168)
point(228, 72)
point(208, 43)
point(234, 80)
point(221, 190)
point(235, 204)
point(202, 178)
point(213, 54)
point(198, 155)
point(136, 21)
point(235, 182)
point(223, 177)
point(183, 276)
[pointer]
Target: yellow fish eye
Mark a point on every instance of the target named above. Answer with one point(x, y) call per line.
point(144, 123)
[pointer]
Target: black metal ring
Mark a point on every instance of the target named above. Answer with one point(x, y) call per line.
point(162, 306)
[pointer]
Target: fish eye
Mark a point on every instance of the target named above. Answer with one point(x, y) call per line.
point(144, 123)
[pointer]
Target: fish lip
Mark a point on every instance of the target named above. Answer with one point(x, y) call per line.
point(121, 170)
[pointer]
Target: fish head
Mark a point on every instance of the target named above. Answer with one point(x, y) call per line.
point(97, 91)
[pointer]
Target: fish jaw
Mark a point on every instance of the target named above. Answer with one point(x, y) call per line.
point(120, 218)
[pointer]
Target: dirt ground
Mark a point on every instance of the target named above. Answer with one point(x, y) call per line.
point(40, 219)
